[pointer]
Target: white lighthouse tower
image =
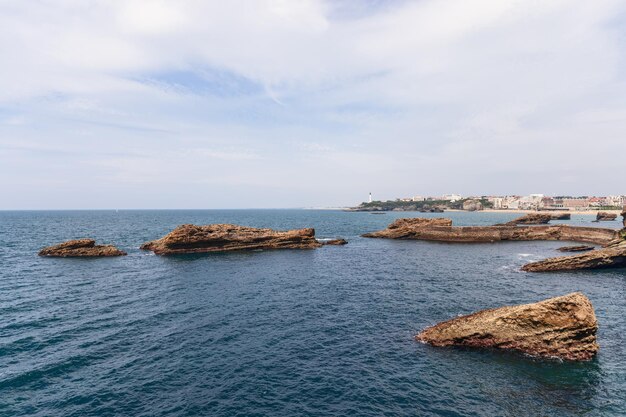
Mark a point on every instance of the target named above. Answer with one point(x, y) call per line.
point(370, 197)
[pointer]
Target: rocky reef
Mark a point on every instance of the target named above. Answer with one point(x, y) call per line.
point(80, 248)
point(533, 218)
point(561, 216)
point(611, 256)
point(190, 238)
point(603, 216)
point(441, 230)
point(408, 228)
point(578, 248)
point(563, 327)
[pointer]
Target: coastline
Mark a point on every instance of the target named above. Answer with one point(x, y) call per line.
point(573, 212)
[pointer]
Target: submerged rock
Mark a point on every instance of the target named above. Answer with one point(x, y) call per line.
point(612, 256)
point(80, 248)
point(408, 228)
point(190, 238)
point(603, 216)
point(579, 248)
point(335, 242)
point(533, 218)
point(562, 327)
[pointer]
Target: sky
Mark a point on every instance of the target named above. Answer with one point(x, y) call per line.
point(307, 103)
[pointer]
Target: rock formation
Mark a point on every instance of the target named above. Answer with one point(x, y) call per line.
point(624, 216)
point(562, 327)
point(80, 248)
point(532, 218)
point(611, 256)
point(561, 216)
point(441, 230)
point(190, 238)
point(408, 228)
point(579, 248)
point(603, 216)
point(472, 205)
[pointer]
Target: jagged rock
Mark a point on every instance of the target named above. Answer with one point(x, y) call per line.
point(190, 238)
point(472, 205)
point(624, 216)
point(337, 242)
point(408, 228)
point(533, 218)
point(441, 230)
point(563, 327)
point(579, 248)
point(561, 216)
point(603, 216)
point(80, 248)
point(612, 256)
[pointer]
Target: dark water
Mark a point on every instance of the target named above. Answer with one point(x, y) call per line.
point(284, 333)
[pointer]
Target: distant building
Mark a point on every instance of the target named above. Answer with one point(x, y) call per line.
point(496, 202)
point(419, 198)
point(451, 197)
point(576, 203)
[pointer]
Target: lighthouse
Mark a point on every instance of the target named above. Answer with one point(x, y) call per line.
point(370, 197)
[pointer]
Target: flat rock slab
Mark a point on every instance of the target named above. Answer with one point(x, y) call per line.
point(612, 256)
point(190, 238)
point(80, 248)
point(579, 248)
point(408, 228)
point(441, 230)
point(563, 327)
point(532, 218)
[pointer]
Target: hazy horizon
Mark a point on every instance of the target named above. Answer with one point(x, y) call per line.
point(278, 104)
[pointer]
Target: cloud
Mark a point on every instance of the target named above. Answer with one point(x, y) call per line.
point(317, 102)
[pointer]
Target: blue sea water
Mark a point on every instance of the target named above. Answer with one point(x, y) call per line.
point(325, 332)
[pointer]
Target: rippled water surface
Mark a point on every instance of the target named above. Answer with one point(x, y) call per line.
point(282, 333)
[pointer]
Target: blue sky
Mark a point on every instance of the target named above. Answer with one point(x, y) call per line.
point(190, 104)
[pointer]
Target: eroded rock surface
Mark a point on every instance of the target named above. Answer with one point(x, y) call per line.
point(561, 216)
point(533, 218)
point(603, 216)
point(80, 248)
point(578, 248)
point(441, 230)
point(612, 256)
point(408, 228)
point(190, 238)
point(562, 327)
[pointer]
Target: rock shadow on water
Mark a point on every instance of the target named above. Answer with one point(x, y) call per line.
point(522, 385)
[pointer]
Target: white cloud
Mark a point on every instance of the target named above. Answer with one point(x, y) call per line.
point(380, 97)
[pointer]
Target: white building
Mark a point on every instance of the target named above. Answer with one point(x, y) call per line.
point(451, 197)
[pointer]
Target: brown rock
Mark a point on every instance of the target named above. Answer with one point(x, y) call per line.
point(441, 230)
point(612, 256)
point(562, 327)
point(408, 228)
point(190, 238)
point(561, 216)
point(80, 248)
point(603, 216)
point(624, 216)
point(579, 248)
point(533, 218)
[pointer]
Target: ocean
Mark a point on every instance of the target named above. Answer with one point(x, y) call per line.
point(324, 332)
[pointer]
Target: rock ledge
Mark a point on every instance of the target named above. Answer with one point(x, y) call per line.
point(563, 327)
point(80, 248)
